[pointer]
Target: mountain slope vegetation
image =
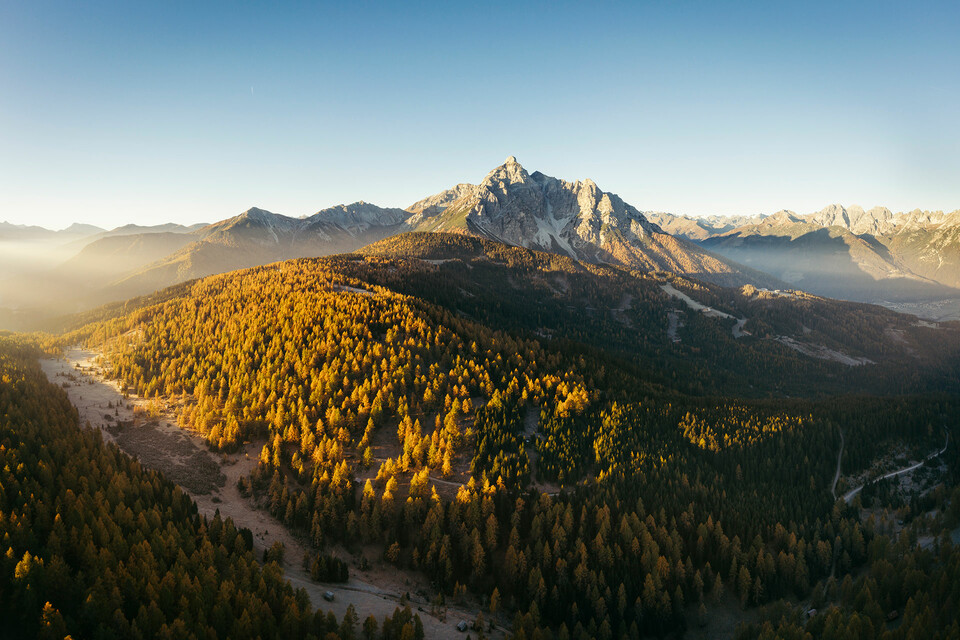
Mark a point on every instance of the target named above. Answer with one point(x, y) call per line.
point(511, 374)
point(96, 546)
point(627, 313)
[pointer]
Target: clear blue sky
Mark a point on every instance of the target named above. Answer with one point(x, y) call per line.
point(184, 111)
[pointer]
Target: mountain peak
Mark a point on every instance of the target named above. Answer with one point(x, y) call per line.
point(79, 228)
point(784, 216)
point(510, 172)
point(358, 217)
point(256, 212)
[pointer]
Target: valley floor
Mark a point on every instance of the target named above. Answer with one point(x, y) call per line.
point(937, 310)
point(148, 431)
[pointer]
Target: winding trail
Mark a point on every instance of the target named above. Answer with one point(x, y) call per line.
point(710, 312)
point(849, 496)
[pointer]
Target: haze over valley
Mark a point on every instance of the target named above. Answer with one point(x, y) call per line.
point(907, 261)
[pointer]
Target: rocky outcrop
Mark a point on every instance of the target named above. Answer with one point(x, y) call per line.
point(356, 218)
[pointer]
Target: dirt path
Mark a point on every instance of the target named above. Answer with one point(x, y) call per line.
point(211, 480)
point(836, 477)
point(737, 329)
point(849, 496)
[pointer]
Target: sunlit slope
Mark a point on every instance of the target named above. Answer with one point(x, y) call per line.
point(453, 295)
point(258, 237)
point(96, 546)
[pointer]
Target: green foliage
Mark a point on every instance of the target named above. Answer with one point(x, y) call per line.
point(500, 454)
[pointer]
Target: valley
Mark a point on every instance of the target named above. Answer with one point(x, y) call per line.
point(906, 261)
point(147, 430)
point(391, 430)
point(936, 310)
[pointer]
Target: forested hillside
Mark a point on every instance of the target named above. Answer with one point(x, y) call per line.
point(909, 586)
point(627, 314)
point(96, 546)
point(510, 374)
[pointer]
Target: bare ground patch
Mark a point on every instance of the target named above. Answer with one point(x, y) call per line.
point(176, 455)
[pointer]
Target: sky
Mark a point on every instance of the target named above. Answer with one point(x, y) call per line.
point(190, 112)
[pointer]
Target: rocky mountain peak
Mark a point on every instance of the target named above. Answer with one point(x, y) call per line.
point(258, 214)
point(357, 216)
point(834, 215)
point(877, 220)
point(542, 212)
point(784, 216)
point(510, 172)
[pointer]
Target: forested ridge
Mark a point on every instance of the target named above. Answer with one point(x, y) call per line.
point(625, 313)
point(674, 494)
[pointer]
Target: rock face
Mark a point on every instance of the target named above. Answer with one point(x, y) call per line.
point(853, 219)
point(534, 210)
point(541, 212)
point(578, 219)
point(435, 204)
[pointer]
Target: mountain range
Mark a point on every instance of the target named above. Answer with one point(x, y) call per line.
point(509, 205)
point(850, 253)
point(844, 252)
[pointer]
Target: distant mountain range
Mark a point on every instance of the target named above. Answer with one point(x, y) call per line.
point(838, 252)
point(258, 237)
point(509, 205)
point(843, 252)
point(9, 231)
